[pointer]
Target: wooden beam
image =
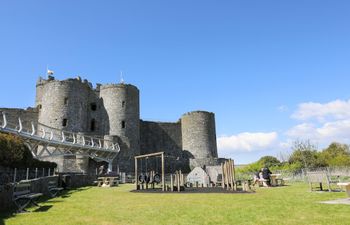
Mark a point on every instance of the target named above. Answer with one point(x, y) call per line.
point(149, 155)
point(136, 176)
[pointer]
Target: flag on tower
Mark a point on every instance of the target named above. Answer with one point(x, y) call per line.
point(49, 72)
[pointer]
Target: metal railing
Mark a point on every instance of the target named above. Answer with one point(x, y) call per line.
point(49, 136)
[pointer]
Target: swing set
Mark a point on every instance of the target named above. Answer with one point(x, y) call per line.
point(147, 177)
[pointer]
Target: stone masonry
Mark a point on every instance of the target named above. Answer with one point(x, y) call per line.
point(112, 111)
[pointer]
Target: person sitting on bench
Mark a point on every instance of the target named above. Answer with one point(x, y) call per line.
point(266, 175)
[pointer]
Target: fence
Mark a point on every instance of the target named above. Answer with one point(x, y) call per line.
point(12, 175)
point(342, 173)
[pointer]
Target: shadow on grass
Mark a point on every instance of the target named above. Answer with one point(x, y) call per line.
point(64, 194)
point(44, 208)
point(67, 193)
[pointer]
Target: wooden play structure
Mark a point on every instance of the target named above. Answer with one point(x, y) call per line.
point(177, 182)
point(149, 177)
point(228, 175)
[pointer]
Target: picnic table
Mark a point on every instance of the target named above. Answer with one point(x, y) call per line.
point(274, 179)
point(346, 185)
point(107, 181)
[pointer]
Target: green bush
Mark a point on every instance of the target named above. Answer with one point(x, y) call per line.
point(14, 154)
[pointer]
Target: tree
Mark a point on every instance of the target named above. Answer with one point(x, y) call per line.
point(269, 161)
point(305, 154)
point(336, 154)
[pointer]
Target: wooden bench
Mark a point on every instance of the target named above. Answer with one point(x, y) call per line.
point(347, 187)
point(107, 181)
point(22, 196)
point(53, 189)
point(320, 177)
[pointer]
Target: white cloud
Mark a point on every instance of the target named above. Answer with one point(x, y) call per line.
point(337, 109)
point(324, 134)
point(246, 142)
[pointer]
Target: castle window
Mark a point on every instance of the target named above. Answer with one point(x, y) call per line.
point(65, 100)
point(92, 125)
point(93, 106)
point(64, 122)
point(123, 104)
point(39, 106)
point(123, 124)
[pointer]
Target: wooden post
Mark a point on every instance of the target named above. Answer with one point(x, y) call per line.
point(163, 178)
point(223, 176)
point(180, 178)
point(231, 174)
point(136, 176)
point(227, 175)
point(178, 181)
point(234, 175)
point(171, 183)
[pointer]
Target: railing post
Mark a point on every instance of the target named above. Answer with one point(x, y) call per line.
point(44, 133)
point(27, 175)
point(36, 173)
point(63, 137)
point(92, 142)
point(51, 136)
point(43, 172)
point(20, 125)
point(14, 175)
point(4, 119)
point(83, 140)
point(49, 171)
point(33, 128)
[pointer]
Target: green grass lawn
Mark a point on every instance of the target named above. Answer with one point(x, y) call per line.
point(293, 204)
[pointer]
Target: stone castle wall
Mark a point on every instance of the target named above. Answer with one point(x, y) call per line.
point(27, 115)
point(113, 111)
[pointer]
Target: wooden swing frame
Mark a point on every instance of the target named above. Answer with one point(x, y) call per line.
point(147, 156)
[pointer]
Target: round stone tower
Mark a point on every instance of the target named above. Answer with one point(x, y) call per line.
point(199, 138)
point(64, 104)
point(121, 102)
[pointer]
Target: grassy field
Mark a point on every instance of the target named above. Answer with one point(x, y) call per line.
point(293, 204)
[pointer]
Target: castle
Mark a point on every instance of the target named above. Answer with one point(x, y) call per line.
point(112, 111)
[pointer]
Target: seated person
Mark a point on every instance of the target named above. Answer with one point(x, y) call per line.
point(266, 175)
point(256, 178)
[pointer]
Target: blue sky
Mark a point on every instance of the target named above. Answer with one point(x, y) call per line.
point(272, 71)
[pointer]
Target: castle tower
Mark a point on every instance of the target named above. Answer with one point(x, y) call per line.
point(199, 137)
point(121, 102)
point(64, 105)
